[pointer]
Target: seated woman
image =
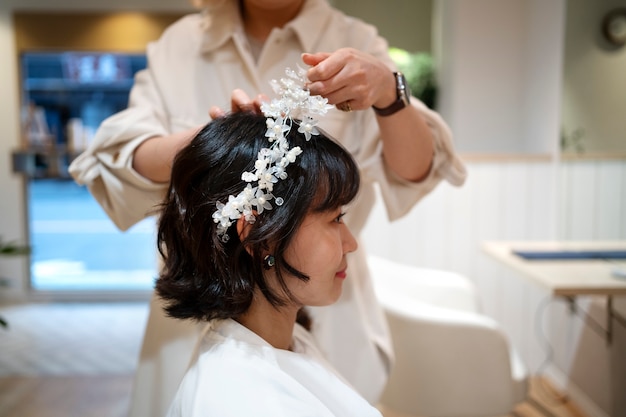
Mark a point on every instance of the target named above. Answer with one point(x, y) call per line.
point(251, 232)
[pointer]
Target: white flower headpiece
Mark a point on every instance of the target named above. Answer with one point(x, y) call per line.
point(270, 166)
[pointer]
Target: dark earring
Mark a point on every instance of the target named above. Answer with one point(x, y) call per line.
point(269, 261)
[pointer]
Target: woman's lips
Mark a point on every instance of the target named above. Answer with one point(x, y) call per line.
point(341, 274)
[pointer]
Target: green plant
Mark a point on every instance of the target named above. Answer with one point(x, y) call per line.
point(419, 71)
point(573, 141)
point(10, 249)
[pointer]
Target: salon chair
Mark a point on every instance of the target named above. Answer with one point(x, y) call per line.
point(450, 360)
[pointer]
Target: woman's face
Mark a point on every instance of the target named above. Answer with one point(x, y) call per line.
point(319, 250)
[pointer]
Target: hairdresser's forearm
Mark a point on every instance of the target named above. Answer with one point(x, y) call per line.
point(153, 158)
point(407, 143)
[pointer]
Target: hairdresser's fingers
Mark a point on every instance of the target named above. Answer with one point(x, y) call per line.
point(314, 59)
point(216, 112)
point(349, 75)
point(258, 101)
point(240, 101)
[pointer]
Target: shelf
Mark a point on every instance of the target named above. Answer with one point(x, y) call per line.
point(62, 85)
point(43, 162)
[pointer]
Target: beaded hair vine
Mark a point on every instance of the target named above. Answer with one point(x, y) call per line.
point(295, 102)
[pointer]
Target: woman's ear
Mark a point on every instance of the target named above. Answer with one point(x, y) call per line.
point(243, 228)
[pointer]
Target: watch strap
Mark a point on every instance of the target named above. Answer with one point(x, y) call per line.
point(402, 97)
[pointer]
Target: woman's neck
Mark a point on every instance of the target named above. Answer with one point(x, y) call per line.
point(273, 324)
point(260, 19)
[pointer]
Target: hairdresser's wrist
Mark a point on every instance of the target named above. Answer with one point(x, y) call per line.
point(389, 94)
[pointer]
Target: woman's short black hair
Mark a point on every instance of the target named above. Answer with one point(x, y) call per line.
point(204, 277)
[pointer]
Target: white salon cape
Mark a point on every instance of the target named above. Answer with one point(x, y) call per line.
point(196, 64)
point(236, 373)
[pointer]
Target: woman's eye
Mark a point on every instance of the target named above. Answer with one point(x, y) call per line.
point(339, 219)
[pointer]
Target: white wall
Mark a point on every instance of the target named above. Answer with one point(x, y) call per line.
point(12, 203)
point(500, 73)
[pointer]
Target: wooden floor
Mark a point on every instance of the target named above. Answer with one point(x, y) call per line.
point(545, 400)
point(109, 396)
point(65, 396)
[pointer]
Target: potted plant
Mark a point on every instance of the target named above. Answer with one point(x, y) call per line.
point(10, 249)
point(419, 71)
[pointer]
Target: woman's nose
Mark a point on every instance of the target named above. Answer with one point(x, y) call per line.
point(349, 242)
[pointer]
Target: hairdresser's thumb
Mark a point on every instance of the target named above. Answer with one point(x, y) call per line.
point(314, 59)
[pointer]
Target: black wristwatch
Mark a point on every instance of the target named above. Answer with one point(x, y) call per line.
point(403, 100)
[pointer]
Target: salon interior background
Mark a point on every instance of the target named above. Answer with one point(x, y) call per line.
point(503, 73)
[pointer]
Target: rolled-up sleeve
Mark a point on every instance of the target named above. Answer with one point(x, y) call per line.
point(401, 195)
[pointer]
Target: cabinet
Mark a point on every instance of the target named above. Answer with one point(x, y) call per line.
point(43, 162)
point(65, 97)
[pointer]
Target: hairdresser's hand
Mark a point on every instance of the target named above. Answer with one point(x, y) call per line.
point(350, 76)
point(239, 101)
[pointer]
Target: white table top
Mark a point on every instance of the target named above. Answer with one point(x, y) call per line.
point(565, 277)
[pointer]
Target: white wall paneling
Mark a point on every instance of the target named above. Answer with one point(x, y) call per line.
point(594, 199)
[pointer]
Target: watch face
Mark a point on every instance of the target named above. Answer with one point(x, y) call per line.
point(405, 94)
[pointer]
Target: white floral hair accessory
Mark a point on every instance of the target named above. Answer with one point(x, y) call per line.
point(295, 102)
